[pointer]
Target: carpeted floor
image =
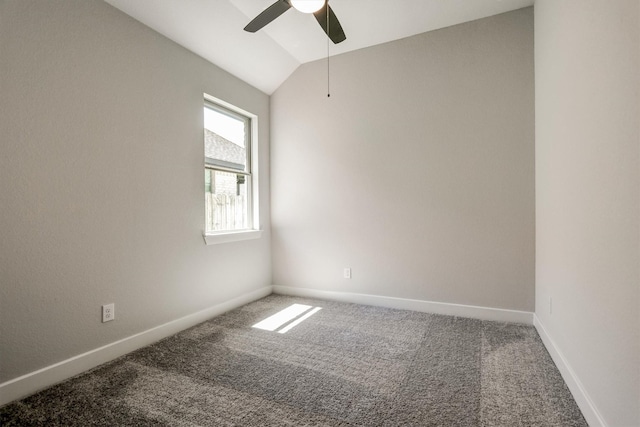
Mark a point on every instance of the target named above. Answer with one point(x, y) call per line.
point(346, 364)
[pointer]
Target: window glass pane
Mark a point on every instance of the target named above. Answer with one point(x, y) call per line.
point(228, 178)
point(226, 200)
point(224, 140)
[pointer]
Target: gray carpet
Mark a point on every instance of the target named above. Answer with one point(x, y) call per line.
point(345, 365)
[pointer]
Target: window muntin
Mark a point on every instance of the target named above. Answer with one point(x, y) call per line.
point(228, 175)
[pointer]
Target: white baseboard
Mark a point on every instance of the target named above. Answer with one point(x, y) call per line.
point(475, 312)
point(30, 383)
point(586, 405)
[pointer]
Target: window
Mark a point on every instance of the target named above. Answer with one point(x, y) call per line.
point(228, 174)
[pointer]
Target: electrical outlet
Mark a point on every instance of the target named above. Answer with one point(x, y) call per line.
point(347, 273)
point(108, 312)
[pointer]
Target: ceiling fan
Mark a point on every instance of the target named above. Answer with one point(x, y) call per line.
point(319, 8)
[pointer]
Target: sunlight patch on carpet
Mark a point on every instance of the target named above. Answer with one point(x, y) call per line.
point(287, 318)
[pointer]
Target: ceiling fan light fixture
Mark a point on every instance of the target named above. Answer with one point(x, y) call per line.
point(307, 6)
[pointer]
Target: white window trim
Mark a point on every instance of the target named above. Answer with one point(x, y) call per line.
point(255, 232)
point(231, 236)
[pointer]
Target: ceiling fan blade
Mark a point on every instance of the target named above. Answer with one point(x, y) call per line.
point(268, 15)
point(335, 32)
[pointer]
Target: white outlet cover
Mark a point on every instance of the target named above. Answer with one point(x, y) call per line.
point(108, 312)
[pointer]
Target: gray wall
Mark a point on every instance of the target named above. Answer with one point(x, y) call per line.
point(102, 194)
point(587, 195)
point(417, 172)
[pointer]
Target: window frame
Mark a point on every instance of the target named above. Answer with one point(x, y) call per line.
point(250, 172)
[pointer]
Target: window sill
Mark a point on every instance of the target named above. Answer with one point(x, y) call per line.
point(232, 236)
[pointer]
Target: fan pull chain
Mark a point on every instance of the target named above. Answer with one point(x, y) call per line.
point(328, 39)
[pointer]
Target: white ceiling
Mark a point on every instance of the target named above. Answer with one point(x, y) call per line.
point(213, 29)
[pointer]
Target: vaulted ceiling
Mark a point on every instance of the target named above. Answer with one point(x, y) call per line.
point(213, 29)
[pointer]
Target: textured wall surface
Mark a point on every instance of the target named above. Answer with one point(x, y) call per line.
point(587, 187)
point(102, 190)
point(417, 172)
